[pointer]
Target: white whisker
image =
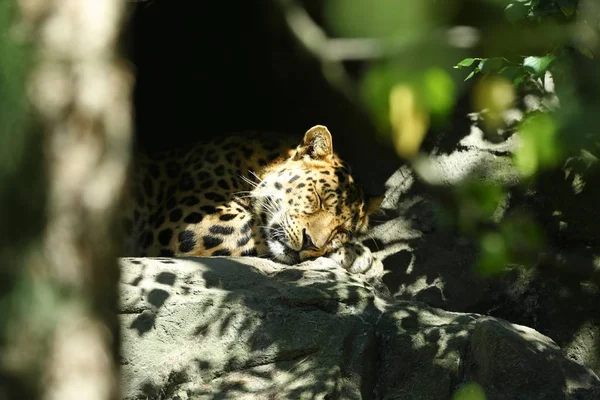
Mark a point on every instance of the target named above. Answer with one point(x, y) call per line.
point(250, 181)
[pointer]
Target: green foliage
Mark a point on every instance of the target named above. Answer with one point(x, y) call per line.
point(539, 146)
point(536, 10)
point(530, 67)
point(493, 254)
point(380, 19)
point(516, 240)
point(524, 68)
point(400, 28)
point(13, 70)
point(477, 203)
point(537, 47)
point(438, 92)
point(20, 150)
point(434, 88)
point(470, 391)
point(537, 66)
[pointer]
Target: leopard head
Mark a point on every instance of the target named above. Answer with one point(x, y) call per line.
point(309, 204)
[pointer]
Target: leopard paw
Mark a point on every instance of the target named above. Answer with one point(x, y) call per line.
point(355, 257)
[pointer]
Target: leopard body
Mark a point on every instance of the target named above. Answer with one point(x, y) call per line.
point(247, 196)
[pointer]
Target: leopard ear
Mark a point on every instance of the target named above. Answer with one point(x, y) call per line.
point(317, 144)
point(372, 204)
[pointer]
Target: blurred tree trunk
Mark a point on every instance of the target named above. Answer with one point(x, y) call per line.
point(64, 148)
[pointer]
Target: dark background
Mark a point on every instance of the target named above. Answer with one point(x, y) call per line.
point(206, 69)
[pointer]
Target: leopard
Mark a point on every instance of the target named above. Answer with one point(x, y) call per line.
point(250, 195)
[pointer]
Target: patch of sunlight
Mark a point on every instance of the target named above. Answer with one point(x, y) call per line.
point(442, 343)
point(411, 265)
point(435, 317)
point(420, 284)
point(419, 341)
point(562, 225)
point(470, 391)
point(583, 338)
point(451, 169)
point(401, 314)
point(578, 184)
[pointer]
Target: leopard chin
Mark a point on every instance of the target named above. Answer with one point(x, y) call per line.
point(282, 253)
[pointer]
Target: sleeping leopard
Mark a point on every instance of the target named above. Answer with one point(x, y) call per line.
point(250, 196)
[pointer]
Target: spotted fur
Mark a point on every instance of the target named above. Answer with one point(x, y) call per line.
point(247, 196)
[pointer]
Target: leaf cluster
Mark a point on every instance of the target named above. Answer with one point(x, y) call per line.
point(531, 67)
point(537, 10)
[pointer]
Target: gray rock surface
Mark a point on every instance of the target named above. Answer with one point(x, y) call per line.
point(502, 356)
point(226, 328)
point(427, 260)
point(421, 351)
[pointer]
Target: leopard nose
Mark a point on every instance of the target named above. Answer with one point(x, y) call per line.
point(307, 242)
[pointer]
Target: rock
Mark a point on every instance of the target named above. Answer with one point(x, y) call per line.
point(420, 351)
point(502, 356)
point(428, 260)
point(246, 328)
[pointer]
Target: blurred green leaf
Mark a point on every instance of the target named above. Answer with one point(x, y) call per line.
point(438, 91)
point(477, 202)
point(382, 18)
point(538, 66)
point(586, 51)
point(526, 158)
point(518, 240)
point(13, 70)
point(434, 90)
point(376, 86)
point(523, 237)
point(493, 256)
point(470, 391)
point(496, 95)
point(539, 144)
point(408, 119)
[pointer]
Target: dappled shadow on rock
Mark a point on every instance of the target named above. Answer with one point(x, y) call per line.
point(252, 329)
point(420, 351)
point(428, 353)
point(428, 259)
point(565, 310)
point(565, 201)
point(221, 328)
point(501, 352)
